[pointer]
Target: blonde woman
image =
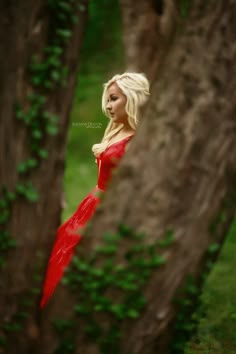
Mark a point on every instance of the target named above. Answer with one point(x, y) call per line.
point(122, 98)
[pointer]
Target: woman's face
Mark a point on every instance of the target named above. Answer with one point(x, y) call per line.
point(116, 102)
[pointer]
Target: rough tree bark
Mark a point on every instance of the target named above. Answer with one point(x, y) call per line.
point(25, 31)
point(179, 173)
point(148, 29)
point(181, 165)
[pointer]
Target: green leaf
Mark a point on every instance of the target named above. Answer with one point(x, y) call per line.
point(132, 313)
point(81, 7)
point(19, 114)
point(3, 341)
point(65, 6)
point(158, 260)
point(20, 188)
point(4, 216)
point(64, 33)
point(55, 75)
point(214, 247)
point(3, 203)
point(11, 196)
point(168, 239)
point(37, 134)
point(124, 230)
point(36, 80)
point(32, 163)
point(51, 129)
point(43, 153)
point(30, 193)
point(74, 19)
point(22, 167)
point(48, 84)
point(54, 49)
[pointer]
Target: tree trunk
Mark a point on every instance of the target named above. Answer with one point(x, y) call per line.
point(39, 40)
point(176, 185)
point(148, 30)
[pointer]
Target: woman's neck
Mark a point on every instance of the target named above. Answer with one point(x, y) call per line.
point(127, 130)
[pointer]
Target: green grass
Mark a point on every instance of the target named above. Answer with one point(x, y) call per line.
point(86, 128)
point(80, 178)
point(217, 330)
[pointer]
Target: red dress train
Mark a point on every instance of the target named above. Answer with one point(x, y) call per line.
point(68, 233)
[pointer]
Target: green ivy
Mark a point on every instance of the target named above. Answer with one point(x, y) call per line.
point(95, 278)
point(190, 309)
point(46, 72)
point(190, 306)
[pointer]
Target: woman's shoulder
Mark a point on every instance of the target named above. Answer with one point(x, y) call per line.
point(120, 138)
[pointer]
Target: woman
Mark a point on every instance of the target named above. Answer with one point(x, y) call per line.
point(122, 97)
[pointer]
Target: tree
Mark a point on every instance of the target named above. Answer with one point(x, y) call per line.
point(173, 197)
point(148, 30)
point(40, 46)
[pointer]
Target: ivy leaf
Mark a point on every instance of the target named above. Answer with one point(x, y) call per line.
point(37, 134)
point(66, 34)
point(51, 129)
point(36, 80)
point(158, 260)
point(32, 163)
point(4, 216)
point(22, 167)
point(48, 84)
point(55, 75)
point(132, 313)
point(65, 6)
point(43, 153)
point(3, 203)
point(214, 247)
point(30, 193)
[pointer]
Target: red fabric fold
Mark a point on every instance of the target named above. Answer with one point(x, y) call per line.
point(68, 234)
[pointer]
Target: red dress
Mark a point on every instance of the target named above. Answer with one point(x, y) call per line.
point(68, 233)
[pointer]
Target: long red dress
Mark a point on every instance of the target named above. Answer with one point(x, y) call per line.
point(68, 233)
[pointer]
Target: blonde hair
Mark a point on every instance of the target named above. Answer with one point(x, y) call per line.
point(135, 86)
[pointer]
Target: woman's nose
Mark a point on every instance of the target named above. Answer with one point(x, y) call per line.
point(108, 106)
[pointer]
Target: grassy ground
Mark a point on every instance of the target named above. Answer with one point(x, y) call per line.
point(86, 128)
point(217, 331)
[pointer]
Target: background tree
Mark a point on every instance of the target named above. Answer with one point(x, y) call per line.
point(148, 30)
point(40, 46)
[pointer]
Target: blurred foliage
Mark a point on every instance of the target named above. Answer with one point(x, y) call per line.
point(102, 56)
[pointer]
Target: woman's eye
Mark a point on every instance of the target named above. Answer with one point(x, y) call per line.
point(112, 99)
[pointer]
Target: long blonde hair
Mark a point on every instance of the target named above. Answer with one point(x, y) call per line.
point(135, 86)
